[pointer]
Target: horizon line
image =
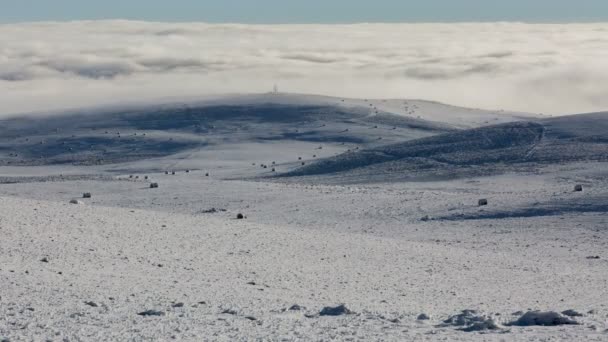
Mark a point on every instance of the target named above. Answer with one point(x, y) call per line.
point(337, 23)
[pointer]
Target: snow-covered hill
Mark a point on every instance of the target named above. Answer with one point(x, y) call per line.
point(359, 220)
point(475, 152)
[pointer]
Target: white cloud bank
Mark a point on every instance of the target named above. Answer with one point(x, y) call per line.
point(537, 68)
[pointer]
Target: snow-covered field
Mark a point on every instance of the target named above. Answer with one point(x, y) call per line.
point(394, 232)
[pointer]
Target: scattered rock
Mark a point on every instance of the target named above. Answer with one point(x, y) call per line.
point(45, 259)
point(151, 313)
point(423, 317)
point(86, 195)
point(593, 257)
point(75, 201)
point(230, 312)
point(212, 211)
point(92, 304)
point(240, 216)
point(177, 305)
point(335, 311)
point(482, 202)
point(466, 317)
point(295, 307)
point(548, 319)
point(572, 313)
point(251, 318)
point(488, 324)
point(154, 186)
point(470, 321)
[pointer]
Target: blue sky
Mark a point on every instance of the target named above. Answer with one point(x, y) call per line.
point(307, 11)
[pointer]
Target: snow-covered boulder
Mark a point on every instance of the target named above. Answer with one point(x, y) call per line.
point(548, 318)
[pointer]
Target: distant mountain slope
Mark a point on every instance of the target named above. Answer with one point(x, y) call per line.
point(491, 149)
point(453, 116)
point(113, 136)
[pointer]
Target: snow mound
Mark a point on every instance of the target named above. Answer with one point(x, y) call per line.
point(548, 319)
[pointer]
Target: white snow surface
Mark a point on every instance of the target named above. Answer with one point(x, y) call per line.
point(389, 251)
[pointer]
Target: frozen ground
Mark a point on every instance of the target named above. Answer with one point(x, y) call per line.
point(389, 249)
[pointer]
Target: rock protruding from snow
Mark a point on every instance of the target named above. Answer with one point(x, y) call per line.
point(548, 319)
point(335, 311)
point(75, 201)
point(572, 313)
point(487, 324)
point(470, 321)
point(423, 317)
point(151, 313)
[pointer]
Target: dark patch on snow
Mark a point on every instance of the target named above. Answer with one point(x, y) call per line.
point(423, 317)
point(230, 312)
point(572, 313)
point(212, 211)
point(470, 321)
point(335, 311)
point(151, 313)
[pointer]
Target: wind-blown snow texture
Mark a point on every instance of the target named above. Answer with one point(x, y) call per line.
point(391, 230)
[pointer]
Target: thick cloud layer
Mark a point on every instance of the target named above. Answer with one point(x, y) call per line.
point(537, 68)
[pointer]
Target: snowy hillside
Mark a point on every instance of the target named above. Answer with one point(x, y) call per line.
point(288, 217)
point(485, 150)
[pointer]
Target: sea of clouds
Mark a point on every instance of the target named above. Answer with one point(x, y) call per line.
point(548, 68)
